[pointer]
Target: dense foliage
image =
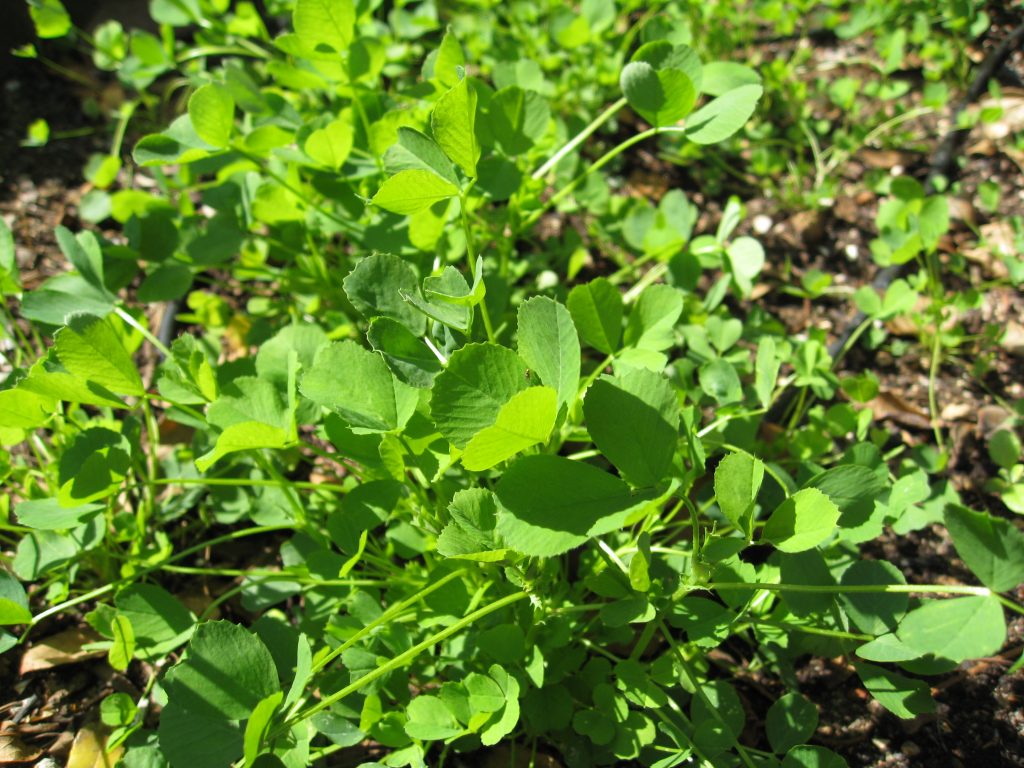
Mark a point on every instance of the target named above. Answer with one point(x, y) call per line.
point(469, 438)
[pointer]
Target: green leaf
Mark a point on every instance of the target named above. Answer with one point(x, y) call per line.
point(737, 480)
point(722, 117)
point(9, 280)
point(212, 111)
point(409, 192)
point(653, 319)
point(746, 260)
point(802, 521)
point(418, 152)
point(356, 384)
point(484, 693)
point(50, 515)
point(325, 22)
point(547, 341)
point(873, 612)
point(634, 420)
point(22, 409)
point(807, 568)
point(791, 720)
point(93, 466)
point(807, 756)
point(258, 727)
point(13, 601)
point(226, 672)
point(123, 648)
point(471, 533)
point(662, 97)
point(89, 348)
point(903, 696)
point(430, 720)
point(469, 393)
point(85, 255)
point(50, 18)
point(506, 721)
point(991, 547)
point(550, 504)
point(197, 741)
point(448, 61)
point(330, 145)
point(453, 123)
point(596, 309)
point(720, 77)
point(118, 709)
point(718, 379)
point(956, 629)
point(406, 354)
point(244, 436)
point(177, 13)
point(525, 420)
point(375, 288)
point(517, 118)
point(160, 622)
point(274, 356)
point(1004, 448)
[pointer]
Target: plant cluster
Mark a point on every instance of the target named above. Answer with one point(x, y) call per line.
point(497, 424)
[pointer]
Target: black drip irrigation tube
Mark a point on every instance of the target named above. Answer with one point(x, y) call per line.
point(941, 162)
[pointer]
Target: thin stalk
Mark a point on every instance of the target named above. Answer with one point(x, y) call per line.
point(242, 482)
point(933, 374)
point(602, 161)
point(385, 617)
point(404, 658)
point(699, 690)
point(161, 348)
point(346, 225)
point(107, 588)
point(579, 138)
point(806, 629)
point(220, 50)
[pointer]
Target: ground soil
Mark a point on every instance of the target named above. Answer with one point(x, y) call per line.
point(980, 717)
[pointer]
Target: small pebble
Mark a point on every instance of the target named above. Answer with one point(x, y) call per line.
point(547, 279)
point(910, 749)
point(852, 251)
point(762, 224)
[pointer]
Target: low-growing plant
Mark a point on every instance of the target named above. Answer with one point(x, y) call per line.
point(449, 483)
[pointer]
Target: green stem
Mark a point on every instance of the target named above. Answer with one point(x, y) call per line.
point(348, 226)
point(107, 588)
point(602, 161)
point(579, 138)
point(143, 330)
point(933, 374)
point(404, 658)
point(385, 617)
point(699, 692)
point(242, 482)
